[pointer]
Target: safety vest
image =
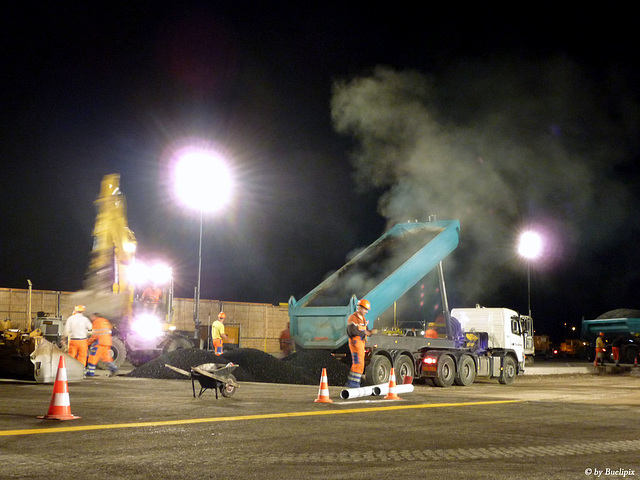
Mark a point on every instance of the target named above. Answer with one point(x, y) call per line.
point(358, 320)
point(101, 331)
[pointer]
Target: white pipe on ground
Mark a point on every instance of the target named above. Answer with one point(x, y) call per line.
point(356, 392)
point(383, 389)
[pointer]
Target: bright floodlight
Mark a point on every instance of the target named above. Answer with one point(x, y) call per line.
point(203, 180)
point(530, 246)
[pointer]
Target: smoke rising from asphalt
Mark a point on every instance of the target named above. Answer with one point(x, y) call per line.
point(499, 145)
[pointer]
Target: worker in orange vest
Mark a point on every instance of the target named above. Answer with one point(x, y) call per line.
point(358, 333)
point(100, 345)
point(217, 333)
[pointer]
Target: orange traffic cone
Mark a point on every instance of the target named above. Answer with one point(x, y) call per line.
point(59, 407)
point(635, 362)
point(392, 395)
point(323, 392)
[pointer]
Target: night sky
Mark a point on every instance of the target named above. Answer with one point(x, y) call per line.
point(337, 122)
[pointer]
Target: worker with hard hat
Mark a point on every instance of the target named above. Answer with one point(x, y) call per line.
point(218, 336)
point(600, 349)
point(358, 333)
point(100, 346)
point(77, 330)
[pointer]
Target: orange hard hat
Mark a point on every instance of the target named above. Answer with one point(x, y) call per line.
point(601, 334)
point(222, 315)
point(79, 308)
point(364, 303)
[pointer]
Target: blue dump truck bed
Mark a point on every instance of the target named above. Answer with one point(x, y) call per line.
point(381, 273)
point(611, 327)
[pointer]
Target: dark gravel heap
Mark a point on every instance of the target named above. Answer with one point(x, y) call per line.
point(302, 368)
point(620, 313)
point(313, 361)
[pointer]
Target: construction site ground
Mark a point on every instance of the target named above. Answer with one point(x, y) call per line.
point(543, 426)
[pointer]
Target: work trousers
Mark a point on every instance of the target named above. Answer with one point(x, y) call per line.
point(356, 347)
point(98, 353)
point(78, 349)
point(217, 346)
point(616, 354)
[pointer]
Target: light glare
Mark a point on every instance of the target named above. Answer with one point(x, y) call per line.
point(203, 180)
point(530, 246)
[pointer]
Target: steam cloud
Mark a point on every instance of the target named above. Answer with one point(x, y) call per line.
point(498, 145)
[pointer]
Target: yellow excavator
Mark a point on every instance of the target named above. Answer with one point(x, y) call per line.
point(114, 287)
point(116, 281)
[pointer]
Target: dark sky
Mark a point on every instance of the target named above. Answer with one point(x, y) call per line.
point(338, 122)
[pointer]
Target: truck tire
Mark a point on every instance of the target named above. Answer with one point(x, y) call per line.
point(118, 354)
point(509, 370)
point(378, 371)
point(404, 368)
point(176, 343)
point(466, 373)
point(446, 372)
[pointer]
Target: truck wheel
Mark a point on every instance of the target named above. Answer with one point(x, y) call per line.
point(446, 372)
point(176, 343)
point(226, 389)
point(378, 371)
point(509, 371)
point(403, 368)
point(118, 354)
point(466, 373)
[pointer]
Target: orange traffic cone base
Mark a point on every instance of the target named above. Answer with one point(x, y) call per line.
point(323, 392)
point(392, 395)
point(60, 407)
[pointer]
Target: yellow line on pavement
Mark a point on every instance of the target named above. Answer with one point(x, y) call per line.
point(265, 416)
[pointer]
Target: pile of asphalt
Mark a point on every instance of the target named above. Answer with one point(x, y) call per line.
point(301, 368)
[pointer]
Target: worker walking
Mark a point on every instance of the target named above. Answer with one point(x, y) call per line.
point(600, 349)
point(76, 333)
point(100, 346)
point(218, 336)
point(357, 332)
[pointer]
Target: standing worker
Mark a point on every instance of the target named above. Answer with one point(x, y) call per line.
point(217, 333)
point(100, 345)
point(286, 343)
point(358, 333)
point(600, 350)
point(76, 333)
point(615, 349)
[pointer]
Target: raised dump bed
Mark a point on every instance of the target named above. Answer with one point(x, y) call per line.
point(381, 273)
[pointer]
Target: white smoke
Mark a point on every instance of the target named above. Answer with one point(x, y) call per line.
point(496, 145)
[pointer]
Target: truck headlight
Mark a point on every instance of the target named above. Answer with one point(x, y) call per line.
point(147, 326)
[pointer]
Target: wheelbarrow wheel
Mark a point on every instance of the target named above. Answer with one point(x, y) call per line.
point(226, 389)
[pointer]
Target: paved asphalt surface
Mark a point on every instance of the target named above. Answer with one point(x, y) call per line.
point(554, 426)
